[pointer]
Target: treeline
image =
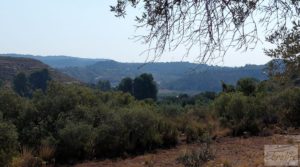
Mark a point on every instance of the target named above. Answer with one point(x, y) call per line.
point(141, 87)
point(67, 123)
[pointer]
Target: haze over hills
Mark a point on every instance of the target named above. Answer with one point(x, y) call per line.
point(171, 76)
point(59, 61)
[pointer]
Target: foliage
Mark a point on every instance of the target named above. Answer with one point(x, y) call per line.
point(144, 87)
point(215, 26)
point(76, 142)
point(126, 85)
point(286, 104)
point(239, 113)
point(8, 142)
point(247, 85)
point(21, 85)
point(103, 85)
point(39, 79)
point(227, 87)
point(197, 157)
point(26, 159)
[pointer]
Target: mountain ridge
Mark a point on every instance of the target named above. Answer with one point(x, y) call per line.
point(174, 76)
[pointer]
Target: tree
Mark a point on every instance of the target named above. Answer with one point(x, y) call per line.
point(247, 85)
point(227, 87)
point(287, 49)
point(144, 87)
point(39, 79)
point(126, 85)
point(1, 83)
point(20, 84)
point(214, 26)
point(103, 85)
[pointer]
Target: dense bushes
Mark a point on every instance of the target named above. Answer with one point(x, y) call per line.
point(81, 123)
point(286, 105)
point(239, 112)
point(73, 122)
point(8, 142)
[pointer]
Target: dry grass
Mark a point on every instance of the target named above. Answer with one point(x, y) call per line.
point(46, 153)
point(26, 159)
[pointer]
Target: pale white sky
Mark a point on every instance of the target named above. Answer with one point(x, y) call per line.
point(84, 28)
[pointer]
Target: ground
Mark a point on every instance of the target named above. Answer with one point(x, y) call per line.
point(238, 152)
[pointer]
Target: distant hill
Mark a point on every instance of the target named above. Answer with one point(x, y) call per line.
point(172, 76)
point(11, 66)
point(59, 61)
point(176, 76)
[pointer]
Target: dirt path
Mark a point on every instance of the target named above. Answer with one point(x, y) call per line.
point(238, 152)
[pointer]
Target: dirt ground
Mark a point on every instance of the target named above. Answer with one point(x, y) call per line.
point(237, 152)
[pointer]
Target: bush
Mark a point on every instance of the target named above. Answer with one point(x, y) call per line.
point(142, 130)
point(8, 142)
point(286, 104)
point(76, 142)
point(240, 113)
point(197, 157)
point(26, 159)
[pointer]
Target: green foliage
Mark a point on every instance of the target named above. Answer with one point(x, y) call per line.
point(103, 85)
point(8, 142)
point(286, 105)
point(76, 141)
point(39, 79)
point(126, 85)
point(227, 87)
point(240, 113)
point(144, 87)
point(1, 83)
point(247, 85)
point(197, 157)
point(20, 84)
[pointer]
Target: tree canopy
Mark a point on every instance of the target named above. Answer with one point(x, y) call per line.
point(213, 26)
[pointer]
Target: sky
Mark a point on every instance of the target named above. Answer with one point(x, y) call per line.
point(86, 28)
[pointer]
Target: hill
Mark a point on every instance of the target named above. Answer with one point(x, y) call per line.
point(175, 76)
point(170, 76)
point(59, 61)
point(11, 66)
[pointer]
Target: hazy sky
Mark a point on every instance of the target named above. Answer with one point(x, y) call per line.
point(84, 28)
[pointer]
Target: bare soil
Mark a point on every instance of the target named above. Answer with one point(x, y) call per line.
point(237, 152)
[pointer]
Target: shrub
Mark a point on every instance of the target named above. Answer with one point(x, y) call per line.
point(240, 113)
point(46, 153)
point(76, 141)
point(197, 157)
point(194, 131)
point(286, 104)
point(26, 159)
point(142, 130)
point(8, 142)
point(110, 135)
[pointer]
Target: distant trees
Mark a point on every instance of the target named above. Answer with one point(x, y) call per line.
point(20, 84)
point(227, 87)
point(247, 85)
point(142, 87)
point(126, 85)
point(103, 85)
point(39, 79)
point(24, 85)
